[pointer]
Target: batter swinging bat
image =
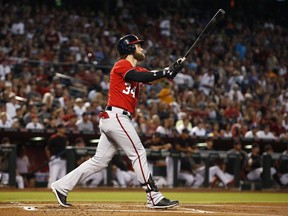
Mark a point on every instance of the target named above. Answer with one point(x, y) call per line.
point(211, 24)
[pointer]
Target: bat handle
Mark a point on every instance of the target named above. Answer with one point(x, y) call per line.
point(181, 60)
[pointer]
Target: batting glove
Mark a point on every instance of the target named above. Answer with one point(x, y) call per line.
point(175, 68)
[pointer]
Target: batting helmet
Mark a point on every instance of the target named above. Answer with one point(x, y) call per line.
point(125, 44)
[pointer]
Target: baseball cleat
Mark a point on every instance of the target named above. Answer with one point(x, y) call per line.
point(61, 198)
point(164, 204)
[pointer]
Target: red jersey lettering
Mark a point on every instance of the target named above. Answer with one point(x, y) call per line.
point(123, 94)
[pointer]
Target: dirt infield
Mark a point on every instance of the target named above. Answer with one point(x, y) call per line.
point(101, 208)
point(138, 209)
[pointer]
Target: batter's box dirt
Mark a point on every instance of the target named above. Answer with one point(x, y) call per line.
point(139, 209)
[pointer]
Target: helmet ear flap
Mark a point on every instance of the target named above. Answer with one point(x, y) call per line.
point(131, 48)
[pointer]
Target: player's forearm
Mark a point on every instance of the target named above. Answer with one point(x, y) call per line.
point(144, 76)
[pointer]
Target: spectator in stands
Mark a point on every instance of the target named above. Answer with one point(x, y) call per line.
point(235, 94)
point(12, 105)
point(285, 121)
point(32, 111)
point(212, 111)
point(95, 105)
point(105, 83)
point(239, 129)
point(207, 81)
point(49, 101)
point(18, 27)
point(152, 125)
point(19, 117)
point(52, 37)
point(232, 111)
point(44, 113)
point(199, 129)
point(32, 92)
point(166, 94)
point(24, 167)
point(4, 69)
point(183, 122)
point(226, 132)
point(215, 130)
point(85, 123)
point(276, 125)
point(140, 123)
point(50, 123)
point(4, 166)
point(71, 123)
point(59, 115)
point(265, 133)
point(4, 121)
point(167, 126)
point(79, 107)
point(252, 133)
point(35, 124)
point(283, 99)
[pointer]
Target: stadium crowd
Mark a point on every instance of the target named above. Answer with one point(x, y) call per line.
point(54, 65)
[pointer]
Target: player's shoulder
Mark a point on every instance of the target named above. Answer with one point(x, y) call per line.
point(121, 66)
point(142, 69)
point(122, 62)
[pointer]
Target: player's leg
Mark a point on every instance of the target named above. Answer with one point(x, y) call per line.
point(99, 161)
point(133, 178)
point(95, 179)
point(284, 179)
point(127, 138)
point(150, 166)
point(20, 181)
point(104, 176)
point(187, 177)
point(63, 170)
point(198, 180)
point(170, 171)
point(215, 170)
point(53, 171)
point(5, 178)
point(122, 177)
point(254, 174)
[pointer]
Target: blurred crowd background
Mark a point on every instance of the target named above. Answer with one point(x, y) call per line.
point(55, 59)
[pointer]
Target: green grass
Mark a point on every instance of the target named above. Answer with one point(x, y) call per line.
point(139, 196)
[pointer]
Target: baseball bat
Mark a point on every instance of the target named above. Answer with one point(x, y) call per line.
point(208, 28)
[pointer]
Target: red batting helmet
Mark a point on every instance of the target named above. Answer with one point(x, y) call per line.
point(125, 44)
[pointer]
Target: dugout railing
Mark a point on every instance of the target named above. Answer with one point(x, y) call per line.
point(206, 155)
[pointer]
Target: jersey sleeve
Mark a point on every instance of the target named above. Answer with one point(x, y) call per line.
point(122, 67)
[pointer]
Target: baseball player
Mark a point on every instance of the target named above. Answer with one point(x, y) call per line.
point(117, 131)
point(55, 151)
